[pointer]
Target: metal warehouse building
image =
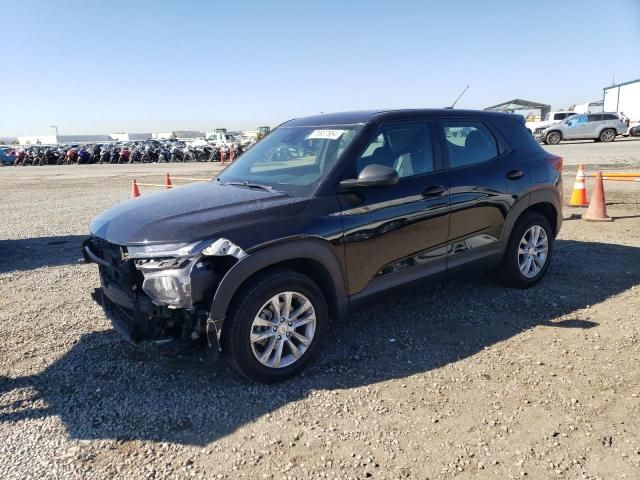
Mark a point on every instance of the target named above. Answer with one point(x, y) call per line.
point(623, 98)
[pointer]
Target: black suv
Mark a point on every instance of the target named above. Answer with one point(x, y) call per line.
point(319, 216)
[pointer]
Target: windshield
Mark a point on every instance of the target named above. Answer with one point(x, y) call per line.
point(292, 160)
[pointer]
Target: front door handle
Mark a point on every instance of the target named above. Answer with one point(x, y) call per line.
point(515, 174)
point(433, 191)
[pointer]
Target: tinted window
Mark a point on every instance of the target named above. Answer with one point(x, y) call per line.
point(468, 143)
point(594, 118)
point(406, 148)
point(576, 120)
point(609, 116)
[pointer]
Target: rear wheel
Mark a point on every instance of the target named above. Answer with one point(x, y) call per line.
point(275, 326)
point(607, 135)
point(553, 138)
point(528, 253)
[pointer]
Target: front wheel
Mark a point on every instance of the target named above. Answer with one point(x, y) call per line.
point(275, 327)
point(607, 135)
point(553, 138)
point(528, 253)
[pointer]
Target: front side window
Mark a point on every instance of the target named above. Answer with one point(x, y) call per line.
point(576, 121)
point(468, 143)
point(291, 159)
point(406, 148)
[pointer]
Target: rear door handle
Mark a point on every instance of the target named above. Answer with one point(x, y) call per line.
point(433, 191)
point(515, 174)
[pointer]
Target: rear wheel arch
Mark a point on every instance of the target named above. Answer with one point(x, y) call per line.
point(547, 210)
point(546, 202)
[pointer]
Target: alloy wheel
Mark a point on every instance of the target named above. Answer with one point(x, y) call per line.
point(607, 135)
point(533, 251)
point(283, 329)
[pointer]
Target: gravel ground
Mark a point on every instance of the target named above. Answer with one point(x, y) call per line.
point(464, 379)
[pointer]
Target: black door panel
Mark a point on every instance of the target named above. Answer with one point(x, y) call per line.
point(394, 228)
point(482, 189)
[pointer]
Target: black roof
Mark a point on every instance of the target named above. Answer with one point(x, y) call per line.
point(366, 116)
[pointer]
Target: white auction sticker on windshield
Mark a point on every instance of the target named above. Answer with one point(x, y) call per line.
point(324, 133)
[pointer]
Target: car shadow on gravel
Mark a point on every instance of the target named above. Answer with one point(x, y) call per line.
point(103, 388)
point(38, 252)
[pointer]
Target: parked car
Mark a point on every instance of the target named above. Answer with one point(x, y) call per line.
point(601, 127)
point(550, 118)
point(256, 261)
point(7, 156)
point(634, 131)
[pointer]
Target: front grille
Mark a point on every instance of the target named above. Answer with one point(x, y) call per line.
point(130, 310)
point(540, 130)
point(121, 281)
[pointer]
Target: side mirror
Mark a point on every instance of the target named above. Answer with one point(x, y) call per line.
point(373, 175)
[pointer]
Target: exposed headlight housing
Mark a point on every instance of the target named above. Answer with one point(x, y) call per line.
point(168, 269)
point(169, 287)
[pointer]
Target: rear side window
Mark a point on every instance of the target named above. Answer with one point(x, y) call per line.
point(594, 118)
point(609, 116)
point(468, 143)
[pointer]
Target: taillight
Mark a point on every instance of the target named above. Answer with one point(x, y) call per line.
point(556, 162)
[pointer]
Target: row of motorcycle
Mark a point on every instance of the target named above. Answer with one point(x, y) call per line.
point(143, 152)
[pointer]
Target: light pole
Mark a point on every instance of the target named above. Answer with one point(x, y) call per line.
point(56, 127)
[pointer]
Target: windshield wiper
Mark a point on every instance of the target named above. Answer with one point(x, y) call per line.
point(266, 188)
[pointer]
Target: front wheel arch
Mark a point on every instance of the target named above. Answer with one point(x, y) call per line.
point(311, 257)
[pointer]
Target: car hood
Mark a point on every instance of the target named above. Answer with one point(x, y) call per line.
point(190, 213)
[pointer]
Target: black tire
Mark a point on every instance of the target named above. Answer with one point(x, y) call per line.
point(236, 345)
point(509, 270)
point(553, 138)
point(607, 135)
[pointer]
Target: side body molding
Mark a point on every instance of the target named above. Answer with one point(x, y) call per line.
point(304, 249)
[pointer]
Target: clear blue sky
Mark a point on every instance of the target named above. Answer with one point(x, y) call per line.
point(102, 66)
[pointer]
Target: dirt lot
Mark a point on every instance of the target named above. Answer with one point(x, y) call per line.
point(466, 379)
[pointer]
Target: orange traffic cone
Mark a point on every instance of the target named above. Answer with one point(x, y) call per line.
point(167, 182)
point(135, 192)
point(579, 193)
point(597, 211)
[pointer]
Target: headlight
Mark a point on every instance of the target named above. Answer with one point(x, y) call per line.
point(168, 288)
point(169, 268)
point(166, 250)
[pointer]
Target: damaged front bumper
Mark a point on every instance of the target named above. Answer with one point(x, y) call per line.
point(140, 313)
